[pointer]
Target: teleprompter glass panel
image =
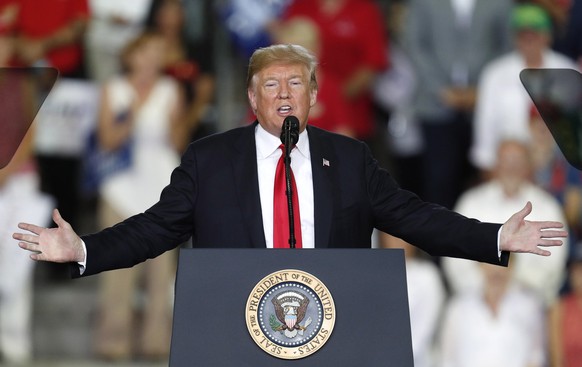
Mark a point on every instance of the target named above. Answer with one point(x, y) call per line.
point(22, 92)
point(557, 95)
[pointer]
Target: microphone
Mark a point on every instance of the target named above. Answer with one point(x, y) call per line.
point(290, 131)
point(290, 137)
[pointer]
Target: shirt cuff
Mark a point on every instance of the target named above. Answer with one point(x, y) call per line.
point(499, 243)
point(83, 264)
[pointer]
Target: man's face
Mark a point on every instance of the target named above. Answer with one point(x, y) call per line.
point(278, 91)
point(513, 167)
point(531, 43)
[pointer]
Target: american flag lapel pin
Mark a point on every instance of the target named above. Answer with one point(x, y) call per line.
point(325, 162)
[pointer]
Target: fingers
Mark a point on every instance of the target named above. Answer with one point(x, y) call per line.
point(26, 237)
point(30, 227)
point(36, 254)
point(525, 211)
point(549, 224)
point(35, 257)
point(29, 247)
point(541, 252)
point(549, 243)
point(553, 234)
point(58, 219)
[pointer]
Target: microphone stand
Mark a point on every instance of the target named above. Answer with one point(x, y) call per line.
point(289, 143)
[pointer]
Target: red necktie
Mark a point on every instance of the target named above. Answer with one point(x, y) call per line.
point(280, 209)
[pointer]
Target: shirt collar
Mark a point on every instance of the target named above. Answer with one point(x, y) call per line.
point(267, 144)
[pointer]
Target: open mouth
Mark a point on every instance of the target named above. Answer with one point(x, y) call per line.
point(284, 110)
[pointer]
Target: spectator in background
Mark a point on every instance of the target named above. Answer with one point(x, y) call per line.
point(565, 319)
point(142, 108)
point(558, 10)
point(19, 196)
point(112, 25)
point(190, 66)
point(394, 92)
point(504, 109)
point(449, 42)
point(426, 296)
point(330, 112)
point(50, 33)
point(353, 51)
point(499, 325)
point(8, 18)
point(509, 189)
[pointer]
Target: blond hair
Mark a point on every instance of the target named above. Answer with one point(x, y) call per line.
point(137, 43)
point(282, 54)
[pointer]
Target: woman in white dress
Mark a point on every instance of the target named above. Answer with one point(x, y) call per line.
point(141, 112)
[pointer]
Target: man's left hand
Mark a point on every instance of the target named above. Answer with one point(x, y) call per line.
point(520, 235)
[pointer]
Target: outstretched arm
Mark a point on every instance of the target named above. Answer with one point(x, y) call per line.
point(60, 244)
point(520, 235)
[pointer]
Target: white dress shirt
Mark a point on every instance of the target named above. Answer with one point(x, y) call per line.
point(268, 154)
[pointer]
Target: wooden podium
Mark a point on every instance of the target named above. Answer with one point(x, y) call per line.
point(213, 294)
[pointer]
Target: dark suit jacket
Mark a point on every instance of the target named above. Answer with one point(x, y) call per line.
point(214, 197)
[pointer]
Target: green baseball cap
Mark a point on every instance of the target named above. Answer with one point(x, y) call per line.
point(532, 17)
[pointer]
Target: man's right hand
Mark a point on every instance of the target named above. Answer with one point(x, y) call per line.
point(60, 244)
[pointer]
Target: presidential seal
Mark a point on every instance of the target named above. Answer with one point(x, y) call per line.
point(290, 314)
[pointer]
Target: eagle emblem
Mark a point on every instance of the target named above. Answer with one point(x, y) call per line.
point(290, 309)
point(279, 314)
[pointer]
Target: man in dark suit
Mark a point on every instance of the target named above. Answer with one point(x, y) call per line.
point(221, 195)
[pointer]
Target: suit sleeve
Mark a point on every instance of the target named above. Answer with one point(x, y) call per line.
point(433, 228)
point(163, 227)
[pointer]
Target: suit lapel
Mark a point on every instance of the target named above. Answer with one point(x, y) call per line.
point(244, 164)
point(322, 186)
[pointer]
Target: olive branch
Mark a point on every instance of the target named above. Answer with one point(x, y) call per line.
point(274, 324)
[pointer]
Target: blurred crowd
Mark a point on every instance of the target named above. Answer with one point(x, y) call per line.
point(431, 85)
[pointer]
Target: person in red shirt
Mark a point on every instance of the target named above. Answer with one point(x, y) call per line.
point(50, 33)
point(353, 50)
